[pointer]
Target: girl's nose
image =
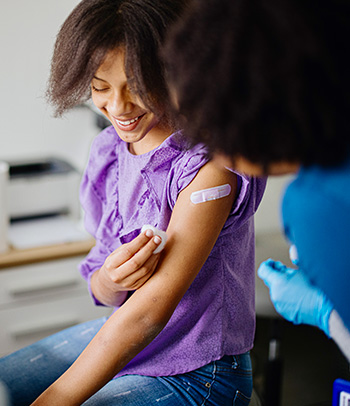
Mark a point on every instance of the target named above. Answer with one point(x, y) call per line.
point(119, 103)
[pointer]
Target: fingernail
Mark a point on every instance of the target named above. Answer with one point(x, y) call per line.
point(157, 240)
point(149, 233)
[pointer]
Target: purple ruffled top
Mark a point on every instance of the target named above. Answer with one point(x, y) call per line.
point(121, 192)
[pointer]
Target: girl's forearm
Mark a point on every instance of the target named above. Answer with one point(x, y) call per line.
point(122, 337)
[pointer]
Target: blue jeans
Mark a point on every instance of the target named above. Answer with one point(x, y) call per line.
point(29, 371)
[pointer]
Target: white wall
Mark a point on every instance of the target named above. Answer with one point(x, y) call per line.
point(268, 216)
point(27, 126)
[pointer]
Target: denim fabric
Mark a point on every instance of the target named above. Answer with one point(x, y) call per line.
point(29, 371)
point(220, 383)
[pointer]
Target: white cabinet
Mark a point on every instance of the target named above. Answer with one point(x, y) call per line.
point(41, 298)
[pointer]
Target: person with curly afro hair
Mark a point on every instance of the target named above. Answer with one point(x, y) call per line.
point(265, 84)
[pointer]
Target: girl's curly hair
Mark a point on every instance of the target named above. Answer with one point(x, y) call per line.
point(265, 79)
point(96, 27)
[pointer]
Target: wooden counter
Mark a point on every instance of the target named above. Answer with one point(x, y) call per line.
point(42, 292)
point(15, 257)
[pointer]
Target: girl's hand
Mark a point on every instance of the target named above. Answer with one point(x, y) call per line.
point(126, 269)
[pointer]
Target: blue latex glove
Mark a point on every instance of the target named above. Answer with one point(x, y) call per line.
point(293, 296)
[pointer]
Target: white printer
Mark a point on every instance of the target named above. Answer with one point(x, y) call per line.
point(43, 203)
point(43, 187)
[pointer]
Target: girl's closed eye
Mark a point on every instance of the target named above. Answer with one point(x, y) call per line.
point(97, 89)
point(99, 85)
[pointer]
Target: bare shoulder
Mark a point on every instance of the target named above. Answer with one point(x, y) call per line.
point(210, 175)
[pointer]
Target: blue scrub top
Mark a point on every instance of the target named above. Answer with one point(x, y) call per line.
point(316, 217)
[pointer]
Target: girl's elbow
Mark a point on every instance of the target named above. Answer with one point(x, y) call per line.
point(153, 323)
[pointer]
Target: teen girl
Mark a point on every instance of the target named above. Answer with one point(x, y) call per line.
point(184, 318)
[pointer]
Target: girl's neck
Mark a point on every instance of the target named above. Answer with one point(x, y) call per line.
point(153, 139)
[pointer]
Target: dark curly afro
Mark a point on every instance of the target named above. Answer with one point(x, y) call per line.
point(265, 79)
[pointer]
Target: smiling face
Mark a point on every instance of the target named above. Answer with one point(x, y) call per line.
point(135, 124)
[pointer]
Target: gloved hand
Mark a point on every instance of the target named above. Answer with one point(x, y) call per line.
point(294, 297)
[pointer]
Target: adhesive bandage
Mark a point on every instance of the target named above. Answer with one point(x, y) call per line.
point(160, 233)
point(214, 193)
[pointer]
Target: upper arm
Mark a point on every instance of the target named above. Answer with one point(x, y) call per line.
point(192, 232)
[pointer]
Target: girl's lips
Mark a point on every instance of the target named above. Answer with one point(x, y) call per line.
point(128, 125)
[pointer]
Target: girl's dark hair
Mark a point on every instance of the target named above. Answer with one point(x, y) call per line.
point(265, 79)
point(96, 27)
